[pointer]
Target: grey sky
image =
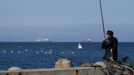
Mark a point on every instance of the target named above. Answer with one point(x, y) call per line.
point(64, 20)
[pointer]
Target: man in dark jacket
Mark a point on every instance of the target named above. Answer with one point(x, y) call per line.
point(110, 44)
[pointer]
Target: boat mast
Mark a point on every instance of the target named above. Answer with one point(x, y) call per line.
point(101, 12)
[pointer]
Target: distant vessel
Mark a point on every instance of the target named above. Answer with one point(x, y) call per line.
point(87, 40)
point(42, 39)
point(80, 46)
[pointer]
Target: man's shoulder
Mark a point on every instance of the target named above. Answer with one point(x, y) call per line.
point(114, 38)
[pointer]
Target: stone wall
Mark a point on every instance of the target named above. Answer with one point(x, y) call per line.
point(57, 71)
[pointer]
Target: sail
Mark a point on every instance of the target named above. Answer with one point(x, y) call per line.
point(80, 46)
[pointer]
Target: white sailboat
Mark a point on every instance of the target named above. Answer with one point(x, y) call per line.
point(80, 46)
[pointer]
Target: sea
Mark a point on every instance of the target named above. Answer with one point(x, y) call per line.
point(33, 55)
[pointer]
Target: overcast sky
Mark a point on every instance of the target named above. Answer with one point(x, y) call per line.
point(65, 20)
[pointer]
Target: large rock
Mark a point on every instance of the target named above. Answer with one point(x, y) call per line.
point(14, 69)
point(63, 63)
point(102, 64)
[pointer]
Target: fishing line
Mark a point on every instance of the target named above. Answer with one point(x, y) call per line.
point(67, 58)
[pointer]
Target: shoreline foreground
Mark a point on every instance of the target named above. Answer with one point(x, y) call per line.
point(57, 71)
point(64, 67)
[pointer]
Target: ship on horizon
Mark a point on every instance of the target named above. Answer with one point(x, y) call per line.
point(87, 40)
point(41, 38)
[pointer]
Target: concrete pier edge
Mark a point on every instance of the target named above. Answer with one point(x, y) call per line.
point(57, 71)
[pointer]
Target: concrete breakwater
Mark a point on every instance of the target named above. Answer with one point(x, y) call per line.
point(57, 71)
point(64, 67)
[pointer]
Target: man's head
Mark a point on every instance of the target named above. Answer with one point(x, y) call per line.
point(109, 34)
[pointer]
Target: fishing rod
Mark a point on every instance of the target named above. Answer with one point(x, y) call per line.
point(102, 18)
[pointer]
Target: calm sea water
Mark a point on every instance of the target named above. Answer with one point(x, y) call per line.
point(44, 55)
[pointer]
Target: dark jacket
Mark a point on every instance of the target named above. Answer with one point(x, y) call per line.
point(110, 44)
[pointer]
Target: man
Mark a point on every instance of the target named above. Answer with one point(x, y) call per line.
point(110, 44)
